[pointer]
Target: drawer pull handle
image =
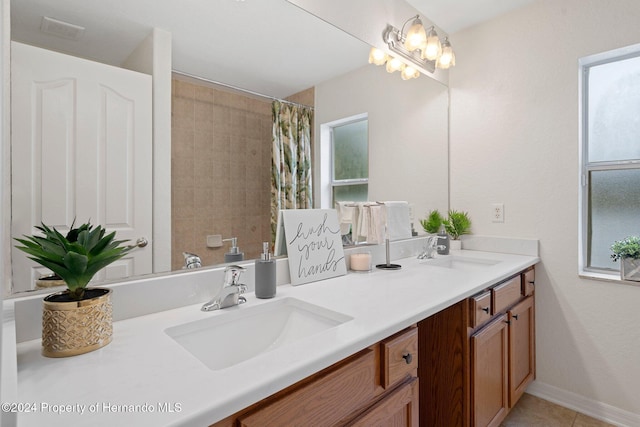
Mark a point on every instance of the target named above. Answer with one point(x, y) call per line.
point(485, 309)
point(532, 283)
point(515, 316)
point(407, 358)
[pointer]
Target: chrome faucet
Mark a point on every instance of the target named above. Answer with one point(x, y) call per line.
point(430, 248)
point(191, 260)
point(231, 291)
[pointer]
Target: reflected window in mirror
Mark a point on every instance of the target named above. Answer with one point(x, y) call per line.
point(350, 160)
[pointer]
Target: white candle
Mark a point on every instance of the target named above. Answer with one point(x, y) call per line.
point(360, 262)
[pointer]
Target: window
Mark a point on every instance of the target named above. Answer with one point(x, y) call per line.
point(610, 154)
point(350, 161)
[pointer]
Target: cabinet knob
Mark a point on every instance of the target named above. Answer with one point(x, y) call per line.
point(515, 316)
point(407, 358)
point(531, 282)
point(485, 309)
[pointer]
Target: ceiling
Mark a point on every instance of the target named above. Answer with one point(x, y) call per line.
point(267, 46)
point(456, 15)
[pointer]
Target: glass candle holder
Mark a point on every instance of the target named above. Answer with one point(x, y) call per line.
point(360, 261)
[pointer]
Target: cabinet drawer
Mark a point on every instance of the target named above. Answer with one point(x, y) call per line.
point(480, 306)
point(528, 281)
point(506, 294)
point(330, 397)
point(399, 357)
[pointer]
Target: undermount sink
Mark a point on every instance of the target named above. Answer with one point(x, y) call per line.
point(457, 262)
point(235, 336)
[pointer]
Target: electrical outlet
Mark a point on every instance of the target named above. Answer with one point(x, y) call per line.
point(497, 212)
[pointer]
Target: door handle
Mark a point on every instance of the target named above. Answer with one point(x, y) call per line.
point(140, 243)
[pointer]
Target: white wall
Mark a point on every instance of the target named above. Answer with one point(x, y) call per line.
point(514, 139)
point(408, 153)
point(153, 56)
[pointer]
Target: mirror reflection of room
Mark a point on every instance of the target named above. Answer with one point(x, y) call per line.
point(212, 126)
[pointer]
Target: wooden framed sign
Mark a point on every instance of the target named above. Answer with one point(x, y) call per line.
point(314, 245)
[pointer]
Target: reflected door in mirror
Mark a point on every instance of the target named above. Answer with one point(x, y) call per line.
point(81, 149)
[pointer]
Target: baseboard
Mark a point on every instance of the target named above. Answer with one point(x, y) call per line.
point(584, 405)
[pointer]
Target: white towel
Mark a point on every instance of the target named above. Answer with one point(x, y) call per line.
point(346, 213)
point(362, 227)
point(397, 220)
point(376, 233)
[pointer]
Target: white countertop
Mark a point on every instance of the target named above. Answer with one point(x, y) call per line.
point(145, 378)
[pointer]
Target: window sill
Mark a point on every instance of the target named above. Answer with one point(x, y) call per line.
point(606, 277)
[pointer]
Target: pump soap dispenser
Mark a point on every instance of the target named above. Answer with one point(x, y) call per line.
point(265, 279)
point(443, 241)
point(234, 254)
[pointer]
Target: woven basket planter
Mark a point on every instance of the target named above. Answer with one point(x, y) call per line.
point(72, 327)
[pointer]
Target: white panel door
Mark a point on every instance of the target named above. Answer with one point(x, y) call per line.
point(81, 148)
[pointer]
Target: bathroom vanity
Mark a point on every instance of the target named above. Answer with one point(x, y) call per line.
point(376, 386)
point(358, 348)
point(474, 360)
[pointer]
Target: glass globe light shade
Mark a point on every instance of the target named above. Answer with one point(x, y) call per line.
point(432, 48)
point(394, 64)
point(409, 73)
point(448, 58)
point(416, 36)
point(377, 57)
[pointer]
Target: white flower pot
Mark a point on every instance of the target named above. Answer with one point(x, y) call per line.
point(630, 269)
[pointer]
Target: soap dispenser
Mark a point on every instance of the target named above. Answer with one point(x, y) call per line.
point(234, 254)
point(443, 241)
point(265, 279)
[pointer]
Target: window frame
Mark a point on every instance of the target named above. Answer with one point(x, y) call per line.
point(351, 181)
point(327, 173)
point(586, 167)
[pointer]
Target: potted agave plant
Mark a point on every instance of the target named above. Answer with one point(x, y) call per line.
point(627, 251)
point(79, 319)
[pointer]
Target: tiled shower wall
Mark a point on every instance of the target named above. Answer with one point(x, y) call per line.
point(220, 171)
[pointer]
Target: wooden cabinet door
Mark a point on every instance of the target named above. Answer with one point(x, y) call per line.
point(326, 400)
point(398, 409)
point(521, 348)
point(489, 364)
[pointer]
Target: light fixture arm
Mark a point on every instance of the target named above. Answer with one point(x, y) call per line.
point(401, 33)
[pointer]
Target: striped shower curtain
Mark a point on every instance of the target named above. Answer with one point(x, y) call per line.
point(290, 159)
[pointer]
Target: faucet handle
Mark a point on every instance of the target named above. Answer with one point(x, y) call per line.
point(232, 275)
point(191, 260)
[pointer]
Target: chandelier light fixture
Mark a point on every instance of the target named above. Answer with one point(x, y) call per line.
point(418, 48)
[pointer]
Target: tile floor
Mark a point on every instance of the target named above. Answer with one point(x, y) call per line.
point(532, 411)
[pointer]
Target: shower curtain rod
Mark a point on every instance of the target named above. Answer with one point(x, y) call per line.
point(228, 86)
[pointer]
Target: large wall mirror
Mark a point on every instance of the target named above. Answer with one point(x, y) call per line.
point(221, 136)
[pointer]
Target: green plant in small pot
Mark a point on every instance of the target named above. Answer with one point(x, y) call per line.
point(433, 222)
point(627, 251)
point(457, 224)
point(79, 319)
